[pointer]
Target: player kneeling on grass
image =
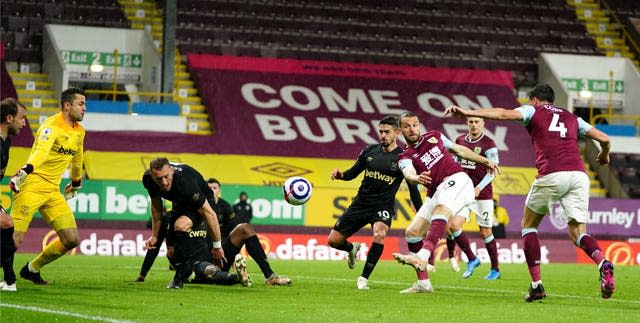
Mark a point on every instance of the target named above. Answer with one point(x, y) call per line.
point(245, 235)
point(202, 264)
point(241, 235)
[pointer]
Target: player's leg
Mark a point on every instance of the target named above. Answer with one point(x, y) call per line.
point(492, 250)
point(543, 192)
point(575, 204)
point(181, 227)
point(484, 217)
point(59, 216)
point(7, 251)
point(245, 234)
point(455, 223)
point(347, 224)
point(380, 229)
point(57, 213)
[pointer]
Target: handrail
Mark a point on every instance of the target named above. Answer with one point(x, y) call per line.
point(608, 117)
point(114, 93)
point(626, 36)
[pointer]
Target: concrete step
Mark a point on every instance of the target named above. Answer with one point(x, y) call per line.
point(191, 100)
point(23, 94)
point(187, 92)
point(29, 76)
point(196, 116)
point(39, 85)
point(200, 132)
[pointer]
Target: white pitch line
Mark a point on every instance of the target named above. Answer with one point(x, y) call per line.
point(506, 291)
point(78, 315)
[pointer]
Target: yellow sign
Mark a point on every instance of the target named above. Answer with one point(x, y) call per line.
point(263, 170)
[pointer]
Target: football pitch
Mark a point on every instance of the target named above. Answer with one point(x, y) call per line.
point(88, 288)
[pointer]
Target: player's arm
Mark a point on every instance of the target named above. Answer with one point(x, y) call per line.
point(492, 155)
point(156, 217)
point(468, 154)
point(488, 113)
point(211, 218)
point(72, 188)
point(592, 132)
point(41, 147)
point(410, 174)
point(352, 172)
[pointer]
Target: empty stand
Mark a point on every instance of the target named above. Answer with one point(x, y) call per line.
point(22, 22)
point(451, 33)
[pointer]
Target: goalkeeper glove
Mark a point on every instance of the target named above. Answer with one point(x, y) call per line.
point(71, 190)
point(19, 178)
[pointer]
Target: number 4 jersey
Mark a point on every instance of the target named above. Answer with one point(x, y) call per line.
point(554, 133)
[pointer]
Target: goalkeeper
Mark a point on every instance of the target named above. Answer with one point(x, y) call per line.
point(58, 143)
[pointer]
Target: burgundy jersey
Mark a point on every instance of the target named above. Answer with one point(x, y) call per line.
point(483, 146)
point(430, 154)
point(554, 134)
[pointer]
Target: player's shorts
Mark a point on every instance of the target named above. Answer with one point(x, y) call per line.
point(455, 192)
point(357, 216)
point(194, 216)
point(51, 204)
point(483, 210)
point(571, 188)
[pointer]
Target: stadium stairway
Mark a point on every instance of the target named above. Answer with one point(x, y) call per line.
point(34, 91)
point(146, 15)
point(603, 29)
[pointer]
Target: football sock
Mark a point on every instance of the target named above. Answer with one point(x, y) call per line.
point(149, 258)
point(224, 278)
point(432, 259)
point(414, 244)
point(590, 247)
point(532, 252)
point(7, 252)
point(436, 230)
point(462, 240)
point(492, 249)
point(345, 246)
point(54, 250)
point(372, 259)
point(254, 248)
point(451, 246)
point(181, 255)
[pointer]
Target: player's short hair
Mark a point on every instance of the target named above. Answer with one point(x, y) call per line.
point(542, 92)
point(213, 181)
point(9, 107)
point(406, 114)
point(69, 95)
point(158, 163)
point(391, 121)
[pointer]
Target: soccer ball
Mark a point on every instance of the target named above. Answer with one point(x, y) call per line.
point(296, 190)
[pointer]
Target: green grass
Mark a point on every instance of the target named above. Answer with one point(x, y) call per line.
point(94, 289)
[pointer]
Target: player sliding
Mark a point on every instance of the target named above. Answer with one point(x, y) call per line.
point(427, 160)
point(561, 177)
point(375, 202)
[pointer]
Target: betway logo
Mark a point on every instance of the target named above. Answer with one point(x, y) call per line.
point(67, 151)
point(114, 202)
point(379, 176)
point(313, 251)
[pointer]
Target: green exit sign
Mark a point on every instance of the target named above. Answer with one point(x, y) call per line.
point(573, 84)
point(102, 58)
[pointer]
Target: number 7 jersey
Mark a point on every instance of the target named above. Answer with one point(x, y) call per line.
point(554, 133)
